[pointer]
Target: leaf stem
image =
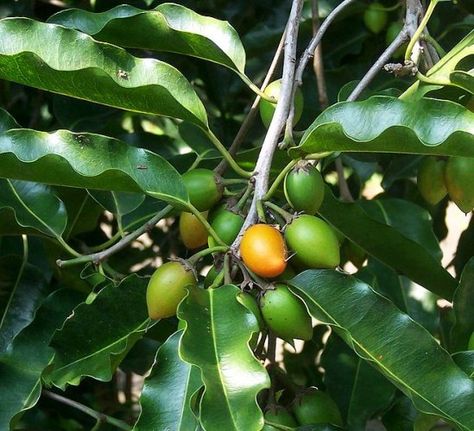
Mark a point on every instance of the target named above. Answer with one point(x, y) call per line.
point(200, 254)
point(227, 156)
point(98, 257)
point(206, 224)
point(99, 417)
point(285, 214)
point(279, 179)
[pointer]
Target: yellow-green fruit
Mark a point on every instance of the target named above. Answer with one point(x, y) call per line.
point(316, 407)
point(285, 314)
point(204, 188)
point(430, 180)
point(193, 233)
point(304, 188)
point(166, 289)
point(459, 178)
point(268, 108)
point(471, 342)
point(314, 242)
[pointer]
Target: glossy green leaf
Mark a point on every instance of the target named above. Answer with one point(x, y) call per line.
point(168, 27)
point(465, 361)
point(358, 388)
point(463, 306)
point(397, 346)
point(22, 289)
point(384, 124)
point(388, 245)
point(97, 336)
point(81, 67)
point(463, 79)
point(119, 203)
point(445, 70)
point(23, 363)
point(167, 392)
point(218, 330)
point(87, 161)
point(35, 206)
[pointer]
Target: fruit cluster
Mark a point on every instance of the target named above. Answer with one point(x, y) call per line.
point(263, 255)
point(454, 177)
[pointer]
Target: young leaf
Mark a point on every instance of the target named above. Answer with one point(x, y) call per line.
point(463, 306)
point(168, 27)
point(94, 340)
point(392, 342)
point(167, 392)
point(388, 245)
point(22, 289)
point(218, 330)
point(383, 124)
point(85, 161)
point(35, 206)
point(81, 67)
point(23, 363)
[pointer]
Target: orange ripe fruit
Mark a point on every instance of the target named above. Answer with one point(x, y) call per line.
point(263, 250)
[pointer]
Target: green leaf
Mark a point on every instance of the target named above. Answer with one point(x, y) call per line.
point(35, 206)
point(397, 346)
point(87, 161)
point(445, 70)
point(22, 289)
point(98, 335)
point(168, 27)
point(119, 203)
point(81, 67)
point(167, 392)
point(218, 330)
point(463, 79)
point(388, 245)
point(23, 363)
point(384, 124)
point(358, 388)
point(463, 306)
point(465, 361)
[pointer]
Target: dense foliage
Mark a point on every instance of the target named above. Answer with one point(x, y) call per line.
point(185, 247)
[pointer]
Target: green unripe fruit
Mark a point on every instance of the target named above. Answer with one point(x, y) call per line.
point(285, 314)
point(227, 225)
point(314, 242)
point(268, 108)
point(375, 17)
point(166, 289)
point(354, 253)
point(204, 188)
point(279, 415)
point(470, 345)
point(393, 31)
point(430, 180)
point(192, 232)
point(459, 178)
point(304, 188)
point(249, 302)
point(316, 407)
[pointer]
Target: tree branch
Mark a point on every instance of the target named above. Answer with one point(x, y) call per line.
point(413, 12)
point(249, 119)
point(99, 417)
point(98, 257)
point(318, 66)
point(262, 168)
